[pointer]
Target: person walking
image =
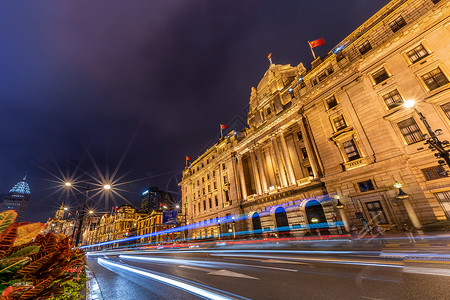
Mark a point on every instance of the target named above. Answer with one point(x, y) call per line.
point(354, 232)
point(408, 230)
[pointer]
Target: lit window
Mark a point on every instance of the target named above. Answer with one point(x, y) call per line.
point(380, 76)
point(365, 47)
point(444, 200)
point(365, 186)
point(339, 123)
point(331, 102)
point(410, 131)
point(434, 172)
point(397, 24)
point(376, 212)
point(330, 70)
point(434, 79)
point(314, 82)
point(304, 153)
point(350, 150)
point(417, 54)
point(446, 108)
point(322, 76)
point(392, 99)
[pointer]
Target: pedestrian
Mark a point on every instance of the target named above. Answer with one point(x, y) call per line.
point(354, 232)
point(408, 230)
point(379, 233)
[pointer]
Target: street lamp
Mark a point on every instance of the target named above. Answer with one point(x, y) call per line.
point(404, 197)
point(431, 138)
point(340, 207)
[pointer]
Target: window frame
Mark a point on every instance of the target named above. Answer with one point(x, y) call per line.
point(394, 103)
point(354, 157)
point(415, 52)
point(397, 24)
point(339, 119)
point(419, 130)
point(383, 74)
point(433, 77)
point(365, 47)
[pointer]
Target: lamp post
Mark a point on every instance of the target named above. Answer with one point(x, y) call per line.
point(340, 207)
point(234, 228)
point(404, 197)
point(431, 138)
point(80, 221)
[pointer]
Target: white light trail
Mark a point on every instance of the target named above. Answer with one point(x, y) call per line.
point(184, 286)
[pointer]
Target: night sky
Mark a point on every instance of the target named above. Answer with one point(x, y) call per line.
point(149, 81)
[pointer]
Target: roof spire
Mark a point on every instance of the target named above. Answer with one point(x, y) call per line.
point(25, 177)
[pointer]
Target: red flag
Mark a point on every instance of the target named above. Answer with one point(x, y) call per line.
point(161, 204)
point(316, 43)
point(188, 158)
point(269, 56)
point(223, 126)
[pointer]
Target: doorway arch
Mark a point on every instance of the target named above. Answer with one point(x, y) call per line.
point(282, 221)
point(316, 215)
point(256, 222)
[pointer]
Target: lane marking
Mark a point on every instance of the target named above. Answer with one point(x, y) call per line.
point(224, 272)
point(184, 286)
point(427, 271)
point(194, 268)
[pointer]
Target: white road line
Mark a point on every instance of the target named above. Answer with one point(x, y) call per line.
point(427, 271)
point(184, 286)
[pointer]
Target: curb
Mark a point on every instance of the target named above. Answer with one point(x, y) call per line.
point(417, 245)
point(92, 288)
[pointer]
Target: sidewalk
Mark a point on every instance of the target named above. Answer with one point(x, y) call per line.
point(92, 289)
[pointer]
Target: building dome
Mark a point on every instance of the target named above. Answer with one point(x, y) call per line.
point(21, 187)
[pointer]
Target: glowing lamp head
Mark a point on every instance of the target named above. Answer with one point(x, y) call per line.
point(177, 206)
point(409, 103)
point(67, 184)
point(65, 208)
point(91, 212)
point(107, 187)
point(398, 185)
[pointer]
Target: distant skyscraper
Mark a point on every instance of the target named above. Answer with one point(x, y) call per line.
point(17, 199)
point(155, 199)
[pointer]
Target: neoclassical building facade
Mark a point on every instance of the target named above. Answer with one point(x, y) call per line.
point(338, 131)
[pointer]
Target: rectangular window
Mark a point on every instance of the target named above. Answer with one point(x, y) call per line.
point(207, 176)
point(215, 185)
point(417, 53)
point(410, 131)
point(330, 70)
point(339, 123)
point(209, 189)
point(223, 167)
point(366, 186)
point(397, 24)
point(435, 1)
point(210, 203)
point(331, 102)
point(301, 83)
point(434, 79)
point(304, 153)
point(268, 111)
point(204, 204)
point(444, 200)
point(393, 99)
point(376, 212)
point(350, 150)
point(216, 200)
point(365, 47)
point(314, 82)
point(380, 76)
point(434, 172)
point(322, 76)
point(227, 196)
point(446, 108)
point(199, 207)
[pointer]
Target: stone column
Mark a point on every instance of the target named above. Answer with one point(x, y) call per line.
point(261, 171)
point(279, 162)
point(255, 172)
point(411, 213)
point(242, 178)
point(309, 149)
point(287, 160)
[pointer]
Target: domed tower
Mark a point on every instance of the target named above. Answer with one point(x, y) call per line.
point(17, 199)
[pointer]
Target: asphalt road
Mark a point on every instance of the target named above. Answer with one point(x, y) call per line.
point(273, 272)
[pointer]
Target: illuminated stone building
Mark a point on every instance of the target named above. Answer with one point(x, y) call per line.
point(60, 223)
point(113, 226)
point(338, 128)
point(153, 223)
point(17, 199)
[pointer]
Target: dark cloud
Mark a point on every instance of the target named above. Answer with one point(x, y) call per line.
point(84, 74)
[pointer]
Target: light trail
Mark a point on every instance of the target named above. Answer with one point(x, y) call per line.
point(200, 263)
point(176, 283)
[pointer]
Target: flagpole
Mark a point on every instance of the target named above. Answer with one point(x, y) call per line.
point(312, 51)
point(221, 134)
